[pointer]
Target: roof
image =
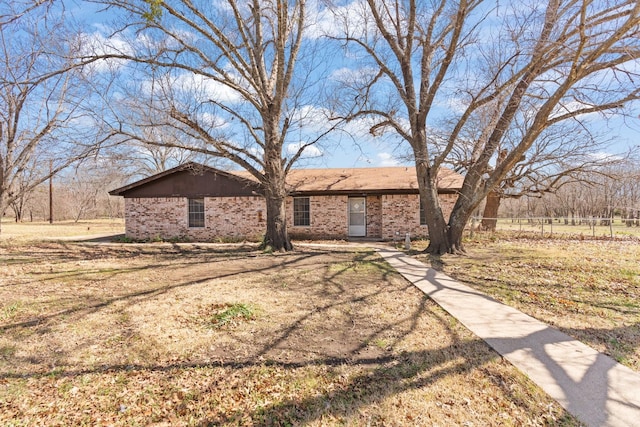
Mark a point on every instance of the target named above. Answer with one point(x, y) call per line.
point(190, 180)
point(387, 180)
point(379, 180)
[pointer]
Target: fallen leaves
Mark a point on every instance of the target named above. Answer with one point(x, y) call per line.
point(587, 288)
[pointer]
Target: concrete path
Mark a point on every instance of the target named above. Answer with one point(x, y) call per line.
point(591, 386)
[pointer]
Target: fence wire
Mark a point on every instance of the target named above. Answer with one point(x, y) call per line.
point(546, 225)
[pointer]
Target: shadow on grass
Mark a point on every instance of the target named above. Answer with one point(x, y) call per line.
point(189, 256)
point(590, 384)
point(377, 379)
point(622, 342)
point(382, 375)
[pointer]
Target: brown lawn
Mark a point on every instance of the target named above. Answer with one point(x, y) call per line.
point(589, 289)
point(187, 334)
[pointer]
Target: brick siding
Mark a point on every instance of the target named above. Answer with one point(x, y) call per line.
point(374, 216)
point(328, 218)
point(244, 218)
point(236, 218)
point(401, 215)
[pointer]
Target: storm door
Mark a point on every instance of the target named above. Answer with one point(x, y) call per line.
point(357, 217)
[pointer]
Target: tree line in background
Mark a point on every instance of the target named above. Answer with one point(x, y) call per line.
point(603, 196)
point(82, 193)
point(504, 93)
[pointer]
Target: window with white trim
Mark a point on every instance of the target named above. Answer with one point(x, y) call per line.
point(196, 213)
point(301, 211)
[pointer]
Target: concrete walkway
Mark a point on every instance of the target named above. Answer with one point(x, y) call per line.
point(591, 386)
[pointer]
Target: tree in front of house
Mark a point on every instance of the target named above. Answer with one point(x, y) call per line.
point(234, 78)
point(477, 71)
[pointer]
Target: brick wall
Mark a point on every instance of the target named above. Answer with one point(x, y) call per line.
point(157, 217)
point(401, 215)
point(374, 216)
point(167, 217)
point(447, 201)
point(328, 217)
point(245, 217)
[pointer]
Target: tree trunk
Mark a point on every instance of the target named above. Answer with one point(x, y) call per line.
point(490, 215)
point(438, 236)
point(17, 210)
point(439, 242)
point(2, 208)
point(276, 236)
point(456, 226)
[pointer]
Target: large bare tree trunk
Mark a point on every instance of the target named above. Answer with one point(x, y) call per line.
point(490, 215)
point(492, 205)
point(2, 206)
point(438, 236)
point(457, 224)
point(276, 236)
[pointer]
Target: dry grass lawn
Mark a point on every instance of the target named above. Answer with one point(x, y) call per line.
point(590, 289)
point(186, 334)
point(37, 231)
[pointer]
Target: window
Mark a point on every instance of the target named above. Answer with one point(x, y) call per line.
point(301, 211)
point(196, 212)
point(423, 216)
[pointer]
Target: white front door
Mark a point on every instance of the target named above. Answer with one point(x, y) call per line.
point(357, 217)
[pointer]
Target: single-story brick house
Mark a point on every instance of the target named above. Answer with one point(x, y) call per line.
point(201, 203)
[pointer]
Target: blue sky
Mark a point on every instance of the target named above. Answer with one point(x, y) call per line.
point(361, 149)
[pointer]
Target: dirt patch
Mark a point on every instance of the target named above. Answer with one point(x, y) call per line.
point(123, 334)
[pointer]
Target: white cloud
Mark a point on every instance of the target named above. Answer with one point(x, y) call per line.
point(95, 44)
point(456, 105)
point(334, 21)
point(255, 151)
point(572, 107)
point(311, 118)
point(204, 88)
point(387, 159)
point(213, 121)
point(361, 128)
point(308, 152)
point(351, 75)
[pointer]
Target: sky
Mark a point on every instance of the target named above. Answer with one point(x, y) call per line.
point(356, 147)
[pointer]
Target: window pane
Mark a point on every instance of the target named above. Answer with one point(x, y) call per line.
point(301, 211)
point(356, 218)
point(196, 212)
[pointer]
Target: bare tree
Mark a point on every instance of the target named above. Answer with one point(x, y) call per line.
point(83, 191)
point(43, 125)
point(12, 10)
point(216, 66)
point(160, 150)
point(22, 188)
point(561, 155)
point(535, 65)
